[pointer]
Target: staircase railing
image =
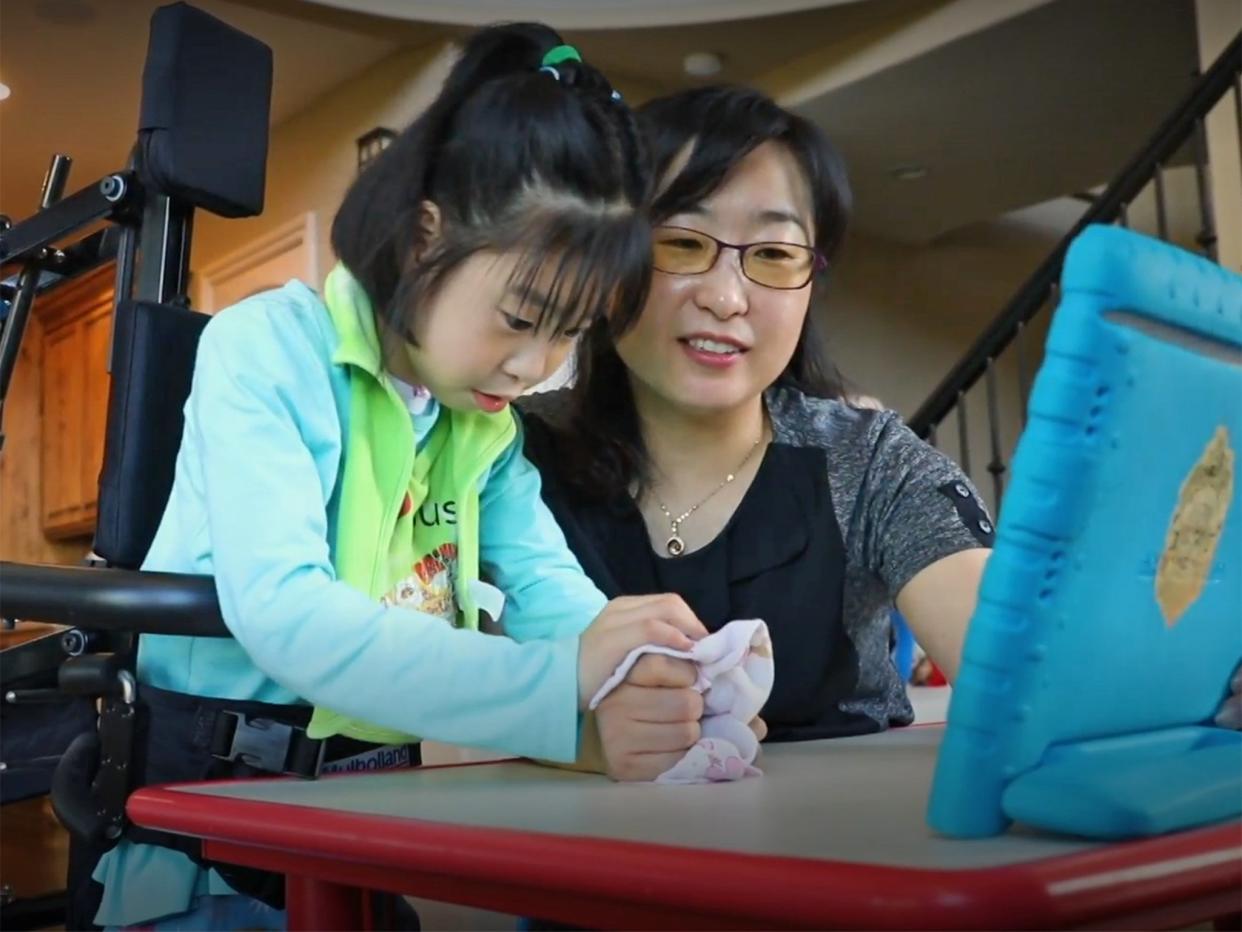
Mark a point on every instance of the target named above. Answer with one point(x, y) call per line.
point(1007, 331)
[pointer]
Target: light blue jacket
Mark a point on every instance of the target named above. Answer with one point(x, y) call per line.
point(253, 505)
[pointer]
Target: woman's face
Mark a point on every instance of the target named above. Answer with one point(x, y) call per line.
point(716, 340)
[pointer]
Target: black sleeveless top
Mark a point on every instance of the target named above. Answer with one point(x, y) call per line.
point(817, 548)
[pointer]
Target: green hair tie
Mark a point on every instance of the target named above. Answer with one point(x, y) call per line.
point(562, 53)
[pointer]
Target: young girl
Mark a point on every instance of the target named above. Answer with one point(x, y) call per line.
point(350, 465)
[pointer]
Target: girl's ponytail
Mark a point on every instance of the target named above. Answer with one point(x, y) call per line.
point(520, 123)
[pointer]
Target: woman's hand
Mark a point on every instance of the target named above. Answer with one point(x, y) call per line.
point(1230, 714)
point(626, 623)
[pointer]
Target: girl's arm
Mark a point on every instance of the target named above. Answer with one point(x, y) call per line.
point(523, 551)
point(260, 404)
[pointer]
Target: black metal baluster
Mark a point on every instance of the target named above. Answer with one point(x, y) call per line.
point(1162, 209)
point(1019, 349)
point(1207, 231)
point(997, 465)
point(1237, 105)
point(963, 433)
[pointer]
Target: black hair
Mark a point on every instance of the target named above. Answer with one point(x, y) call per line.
point(602, 447)
point(547, 162)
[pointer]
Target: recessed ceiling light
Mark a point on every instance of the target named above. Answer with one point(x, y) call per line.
point(4, 91)
point(908, 172)
point(702, 64)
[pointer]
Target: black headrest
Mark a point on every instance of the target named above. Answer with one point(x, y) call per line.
point(206, 98)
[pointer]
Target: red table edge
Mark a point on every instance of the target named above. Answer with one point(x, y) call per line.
point(1077, 888)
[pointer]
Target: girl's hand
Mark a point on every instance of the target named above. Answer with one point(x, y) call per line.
point(626, 623)
point(646, 725)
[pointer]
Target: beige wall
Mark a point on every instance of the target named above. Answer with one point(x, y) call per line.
point(900, 31)
point(312, 157)
point(897, 317)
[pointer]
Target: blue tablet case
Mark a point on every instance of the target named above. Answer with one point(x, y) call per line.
point(1110, 614)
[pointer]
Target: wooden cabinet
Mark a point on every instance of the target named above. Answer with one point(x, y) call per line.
point(97, 340)
point(77, 329)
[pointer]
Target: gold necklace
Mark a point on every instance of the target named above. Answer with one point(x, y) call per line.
point(675, 545)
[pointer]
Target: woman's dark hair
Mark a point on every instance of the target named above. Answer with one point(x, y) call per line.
point(602, 449)
point(547, 162)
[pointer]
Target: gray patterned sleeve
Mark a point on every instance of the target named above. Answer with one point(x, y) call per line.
point(915, 506)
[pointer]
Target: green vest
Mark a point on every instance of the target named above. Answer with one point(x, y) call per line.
point(407, 530)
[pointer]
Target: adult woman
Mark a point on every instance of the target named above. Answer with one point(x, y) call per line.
point(708, 450)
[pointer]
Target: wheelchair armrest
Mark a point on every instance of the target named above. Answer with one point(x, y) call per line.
point(112, 600)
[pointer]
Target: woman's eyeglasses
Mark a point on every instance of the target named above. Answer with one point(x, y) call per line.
point(787, 266)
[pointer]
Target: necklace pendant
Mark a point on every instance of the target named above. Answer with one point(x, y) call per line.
point(675, 545)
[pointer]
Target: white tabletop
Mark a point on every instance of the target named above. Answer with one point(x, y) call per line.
point(930, 703)
point(849, 799)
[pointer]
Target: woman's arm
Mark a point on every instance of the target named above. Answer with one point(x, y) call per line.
point(939, 602)
point(924, 532)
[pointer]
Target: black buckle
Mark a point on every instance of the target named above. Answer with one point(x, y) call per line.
point(268, 745)
point(116, 739)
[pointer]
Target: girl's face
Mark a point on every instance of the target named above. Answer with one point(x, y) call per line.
point(716, 340)
point(477, 347)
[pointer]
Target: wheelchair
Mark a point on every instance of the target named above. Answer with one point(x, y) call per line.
point(202, 144)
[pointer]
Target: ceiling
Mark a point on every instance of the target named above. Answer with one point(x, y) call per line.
point(748, 50)
point(578, 14)
point(1045, 104)
point(1005, 103)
